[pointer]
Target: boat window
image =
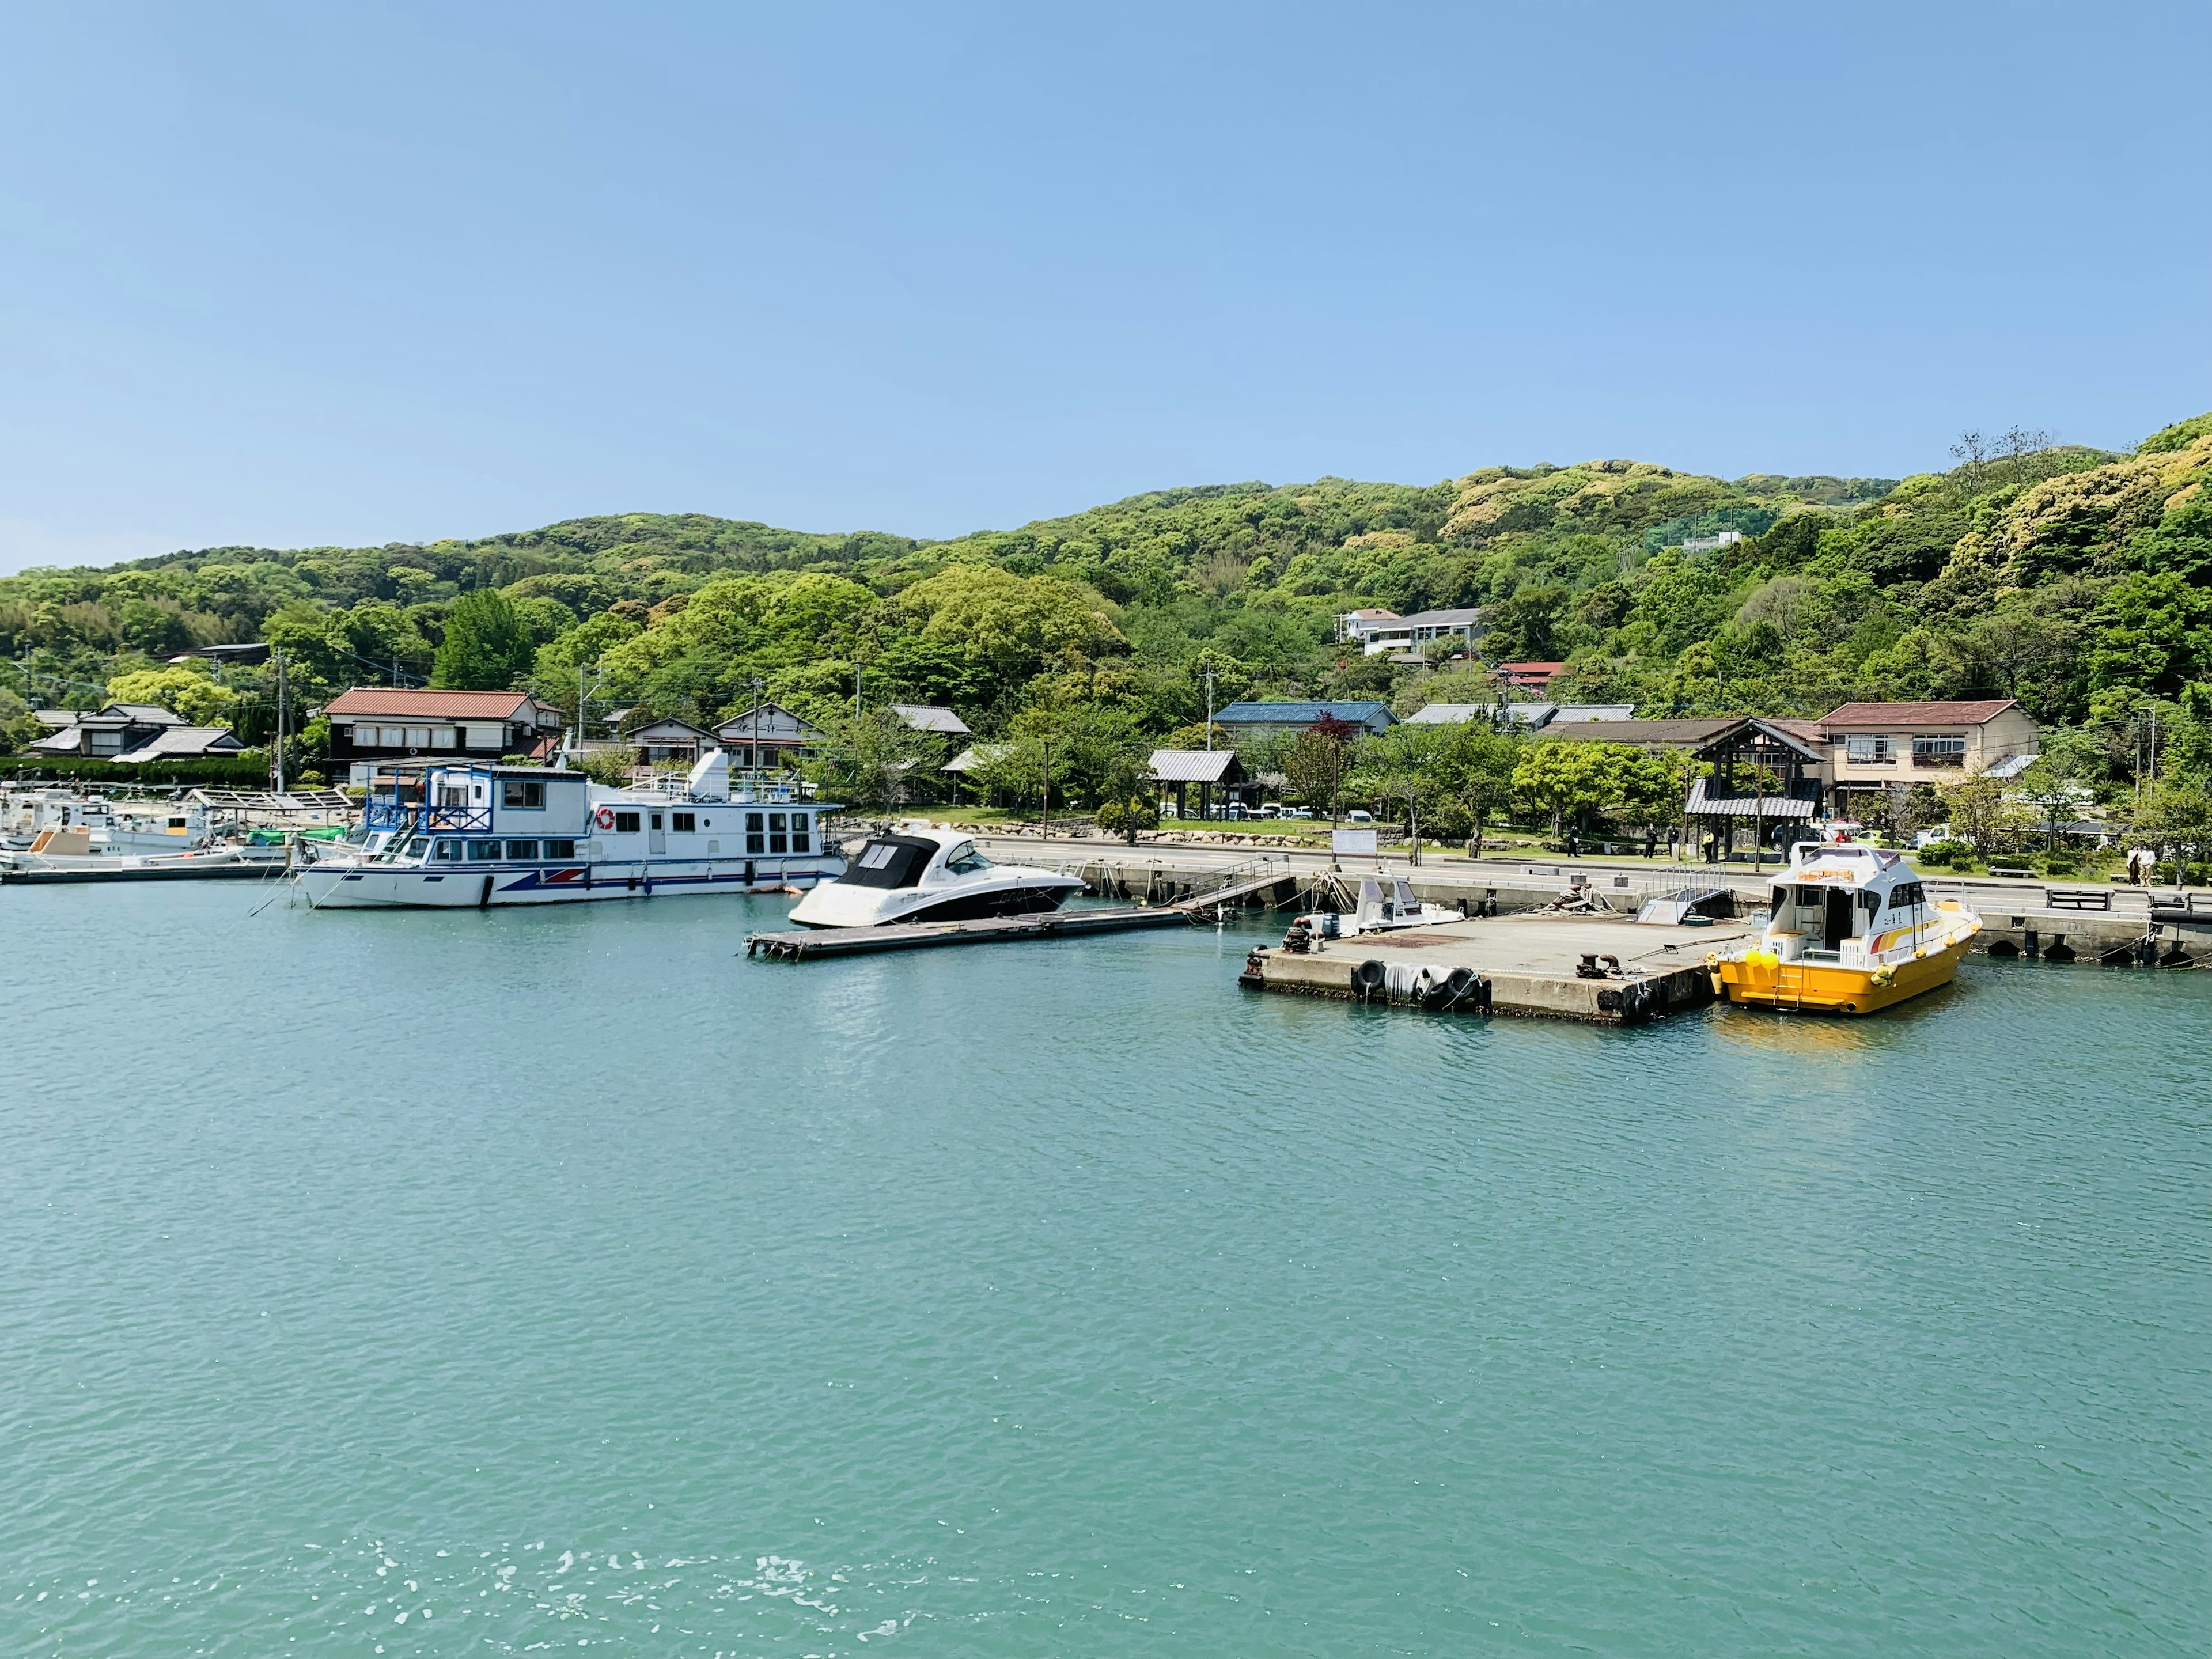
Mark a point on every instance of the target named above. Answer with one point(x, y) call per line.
point(684, 821)
point(777, 842)
point(757, 832)
point(965, 861)
point(560, 849)
point(1906, 895)
point(656, 820)
point(625, 824)
point(1779, 902)
point(800, 841)
point(448, 852)
point(483, 849)
point(890, 861)
point(522, 792)
point(522, 850)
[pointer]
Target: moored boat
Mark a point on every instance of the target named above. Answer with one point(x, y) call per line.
point(448, 835)
point(918, 874)
point(1852, 930)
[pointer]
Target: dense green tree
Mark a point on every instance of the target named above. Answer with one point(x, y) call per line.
point(486, 648)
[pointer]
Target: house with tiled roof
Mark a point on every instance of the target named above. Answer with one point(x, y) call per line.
point(132, 731)
point(1881, 746)
point(372, 723)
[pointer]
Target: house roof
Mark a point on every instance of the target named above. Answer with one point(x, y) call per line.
point(182, 742)
point(1461, 618)
point(1572, 712)
point(408, 703)
point(661, 730)
point(1547, 668)
point(925, 717)
point(974, 756)
point(1674, 734)
point(1372, 614)
point(1918, 713)
point(1455, 714)
point(766, 723)
point(56, 718)
point(1300, 714)
point(1196, 765)
point(1703, 805)
point(144, 714)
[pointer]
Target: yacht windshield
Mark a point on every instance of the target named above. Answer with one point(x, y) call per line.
point(965, 861)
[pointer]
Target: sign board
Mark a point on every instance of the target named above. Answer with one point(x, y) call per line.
point(1360, 844)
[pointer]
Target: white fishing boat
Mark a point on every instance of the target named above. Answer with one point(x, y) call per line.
point(454, 833)
point(919, 873)
point(67, 824)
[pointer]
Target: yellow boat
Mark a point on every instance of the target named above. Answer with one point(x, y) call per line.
point(1852, 930)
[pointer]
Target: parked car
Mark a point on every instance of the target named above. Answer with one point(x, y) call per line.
point(1355, 816)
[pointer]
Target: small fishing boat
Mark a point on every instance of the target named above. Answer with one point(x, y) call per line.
point(924, 874)
point(449, 834)
point(1852, 930)
point(67, 824)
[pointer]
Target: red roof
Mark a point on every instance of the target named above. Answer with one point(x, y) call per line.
point(1918, 713)
point(429, 705)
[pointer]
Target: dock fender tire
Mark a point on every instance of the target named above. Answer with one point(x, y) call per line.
point(1367, 979)
point(1457, 984)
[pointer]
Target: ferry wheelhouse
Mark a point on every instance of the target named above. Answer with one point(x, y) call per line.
point(1852, 930)
point(464, 833)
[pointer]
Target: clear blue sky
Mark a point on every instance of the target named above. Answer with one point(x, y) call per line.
point(291, 273)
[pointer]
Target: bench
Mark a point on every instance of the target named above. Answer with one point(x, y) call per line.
point(2016, 871)
point(2077, 898)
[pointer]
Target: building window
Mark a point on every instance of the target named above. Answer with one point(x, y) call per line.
point(756, 832)
point(418, 737)
point(560, 849)
point(483, 849)
point(1871, 750)
point(625, 824)
point(685, 821)
point(108, 742)
point(525, 793)
point(522, 850)
point(1939, 752)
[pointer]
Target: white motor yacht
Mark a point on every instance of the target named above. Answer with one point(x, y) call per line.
point(469, 833)
point(919, 874)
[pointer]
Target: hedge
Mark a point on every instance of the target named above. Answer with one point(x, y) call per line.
point(228, 771)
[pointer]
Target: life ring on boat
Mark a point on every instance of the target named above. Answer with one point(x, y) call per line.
point(605, 818)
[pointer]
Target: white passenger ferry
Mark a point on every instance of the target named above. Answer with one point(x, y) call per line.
point(454, 833)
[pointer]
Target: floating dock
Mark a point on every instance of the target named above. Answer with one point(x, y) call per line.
point(213, 869)
point(805, 944)
point(1602, 968)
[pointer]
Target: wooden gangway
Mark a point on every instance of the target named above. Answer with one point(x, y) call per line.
point(805, 944)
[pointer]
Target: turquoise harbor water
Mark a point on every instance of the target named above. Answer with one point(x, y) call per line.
point(528, 1282)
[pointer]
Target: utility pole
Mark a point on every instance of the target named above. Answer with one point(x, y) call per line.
point(1209, 711)
point(1047, 802)
point(283, 710)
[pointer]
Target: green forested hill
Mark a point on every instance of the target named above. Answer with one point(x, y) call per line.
point(2078, 581)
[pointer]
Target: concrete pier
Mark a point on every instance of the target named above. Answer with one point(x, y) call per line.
point(1601, 969)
